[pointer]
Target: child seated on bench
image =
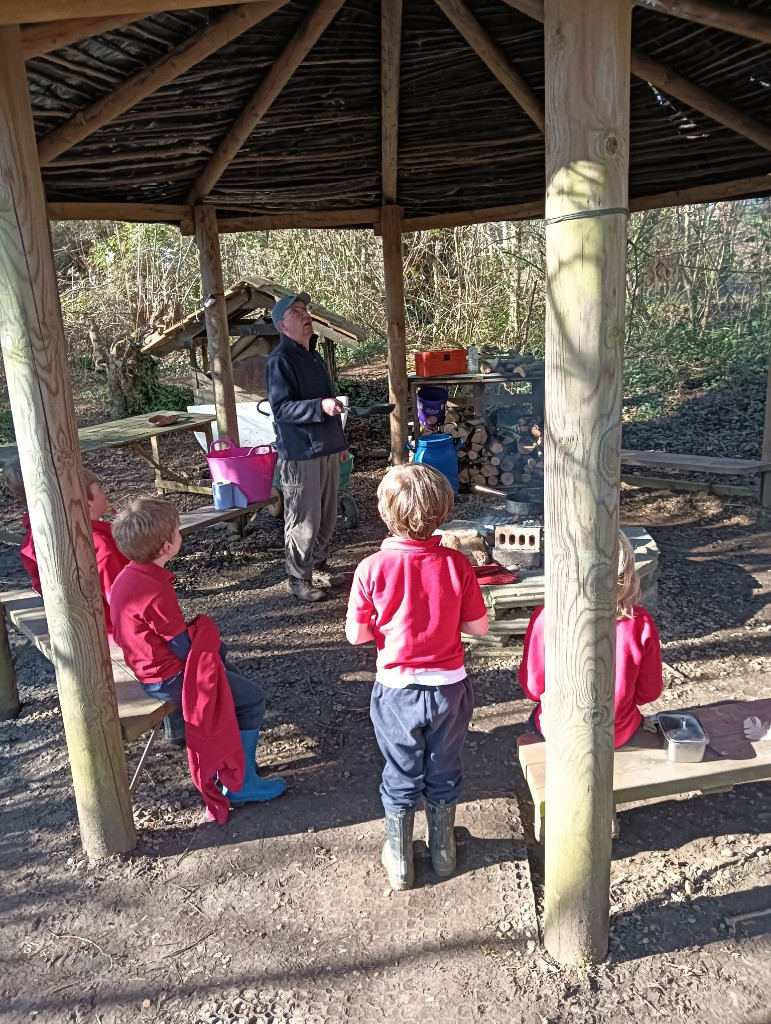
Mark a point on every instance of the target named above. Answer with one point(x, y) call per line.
point(15, 484)
point(109, 560)
point(638, 654)
point(150, 627)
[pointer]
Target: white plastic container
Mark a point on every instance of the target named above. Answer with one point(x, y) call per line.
point(254, 427)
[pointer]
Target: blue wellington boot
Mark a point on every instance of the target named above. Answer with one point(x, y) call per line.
point(254, 788)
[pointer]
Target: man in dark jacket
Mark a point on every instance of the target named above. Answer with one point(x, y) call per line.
point(311, 445)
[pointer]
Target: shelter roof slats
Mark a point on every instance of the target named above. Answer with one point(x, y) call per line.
point(463, 142)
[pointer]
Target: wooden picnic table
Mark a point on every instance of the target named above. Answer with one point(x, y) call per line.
point(133, 432)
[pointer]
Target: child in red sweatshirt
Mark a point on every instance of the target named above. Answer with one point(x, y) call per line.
point(109, 560)
point(638, 654)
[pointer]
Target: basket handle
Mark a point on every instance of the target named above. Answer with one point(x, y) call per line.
point(261, 449)
point(221, 440)
point(263, 401)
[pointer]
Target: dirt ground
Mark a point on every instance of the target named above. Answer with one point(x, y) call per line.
point(284, 915)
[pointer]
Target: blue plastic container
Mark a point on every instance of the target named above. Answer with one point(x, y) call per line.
point(439, 451)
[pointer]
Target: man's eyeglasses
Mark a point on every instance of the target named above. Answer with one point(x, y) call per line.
point(298, 311)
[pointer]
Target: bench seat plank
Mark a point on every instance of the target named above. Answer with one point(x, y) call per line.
point(208, 515)
point(137, 711)
point(641, 768)
point(691, 463)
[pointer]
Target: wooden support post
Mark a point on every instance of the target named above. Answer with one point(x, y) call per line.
point(35, 358)
point(10, 705)
point(208, 242)
point(765, 476)
point(587, 153)
point(393, 269)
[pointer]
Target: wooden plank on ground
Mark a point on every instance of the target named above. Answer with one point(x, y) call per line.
point(691, 463)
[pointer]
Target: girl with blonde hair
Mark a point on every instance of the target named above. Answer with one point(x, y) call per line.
point(638, 653)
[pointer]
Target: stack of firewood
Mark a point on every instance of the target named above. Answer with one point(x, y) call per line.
point(493, 454)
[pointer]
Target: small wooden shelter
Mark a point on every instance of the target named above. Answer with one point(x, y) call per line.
point(248, 303)
point(399, 117)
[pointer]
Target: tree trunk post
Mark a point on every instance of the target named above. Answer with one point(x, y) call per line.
point(765, 474)
point(217, 332)
point(35, 357)
point(393, 270)
point(587, 151)
point(10, 705)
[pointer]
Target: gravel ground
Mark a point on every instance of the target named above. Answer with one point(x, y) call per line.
point(285, 914)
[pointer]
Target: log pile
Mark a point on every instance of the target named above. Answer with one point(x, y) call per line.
point(500, 451)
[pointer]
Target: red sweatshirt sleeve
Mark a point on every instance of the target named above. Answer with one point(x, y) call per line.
point(649, 679)
point(531, 676)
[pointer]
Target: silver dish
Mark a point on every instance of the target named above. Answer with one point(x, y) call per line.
point(684, 736)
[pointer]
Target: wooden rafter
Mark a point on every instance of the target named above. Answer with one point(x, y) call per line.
point(184, 56)
point(353, 218)
point(729, 19)
point(162, 213)
point(48, 36)
point(150, 213)
point(699, 99)
point(478, 39)
point(704, 12)
point(26, 12)
point(254, 111)
point(677, 86)
point(390, 58)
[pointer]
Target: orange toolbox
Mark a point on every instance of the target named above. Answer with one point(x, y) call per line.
point(437, 363)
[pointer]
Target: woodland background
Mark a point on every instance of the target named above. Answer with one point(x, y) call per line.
point(698, 305)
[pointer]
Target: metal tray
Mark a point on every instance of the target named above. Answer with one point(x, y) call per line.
point(683, 734)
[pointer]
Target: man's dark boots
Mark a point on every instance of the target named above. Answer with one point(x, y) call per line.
point(441, 837)
point(305, 590)
point(397, 852)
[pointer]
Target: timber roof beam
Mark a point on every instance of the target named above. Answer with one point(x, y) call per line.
point(703, 12)
point(48, 36)
point(390, 63)
point(26, 12)
point(149, 80)
point(487, 51)
point(673, 84)
point(257, 107)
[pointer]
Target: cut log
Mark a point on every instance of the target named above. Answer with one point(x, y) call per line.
point(496, 447)
point(508, 463)
point(506, 479)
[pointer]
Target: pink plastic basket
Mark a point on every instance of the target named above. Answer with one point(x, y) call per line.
point(251, 469)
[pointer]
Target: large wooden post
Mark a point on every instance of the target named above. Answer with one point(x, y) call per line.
point(765, 475)
point(208, 241)
point(35, 358)
point(393, 269)
point(587, 152)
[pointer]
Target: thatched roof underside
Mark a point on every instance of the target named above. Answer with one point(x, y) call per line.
point(463, 142)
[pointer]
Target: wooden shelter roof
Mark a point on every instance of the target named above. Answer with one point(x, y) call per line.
point(313, 112)
point(251, 293)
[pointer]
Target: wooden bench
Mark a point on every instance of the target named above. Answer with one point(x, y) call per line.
point(138, 713)
point(642, 770)
point(207, 515)
point(693, 464)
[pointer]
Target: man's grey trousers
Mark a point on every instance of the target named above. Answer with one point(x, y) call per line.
point(310, 511)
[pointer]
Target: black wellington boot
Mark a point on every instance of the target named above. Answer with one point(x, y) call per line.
point(397, 852)
point(441, 836)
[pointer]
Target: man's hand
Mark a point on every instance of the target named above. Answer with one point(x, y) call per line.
point(331, 406)
point(344, 456)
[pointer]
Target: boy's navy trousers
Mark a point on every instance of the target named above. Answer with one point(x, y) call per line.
point(421, 731)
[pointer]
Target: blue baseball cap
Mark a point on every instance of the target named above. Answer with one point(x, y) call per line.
point(282, 305)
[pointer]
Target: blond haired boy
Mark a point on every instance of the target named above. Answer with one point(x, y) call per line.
point(150, 627)
point(414, 598)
